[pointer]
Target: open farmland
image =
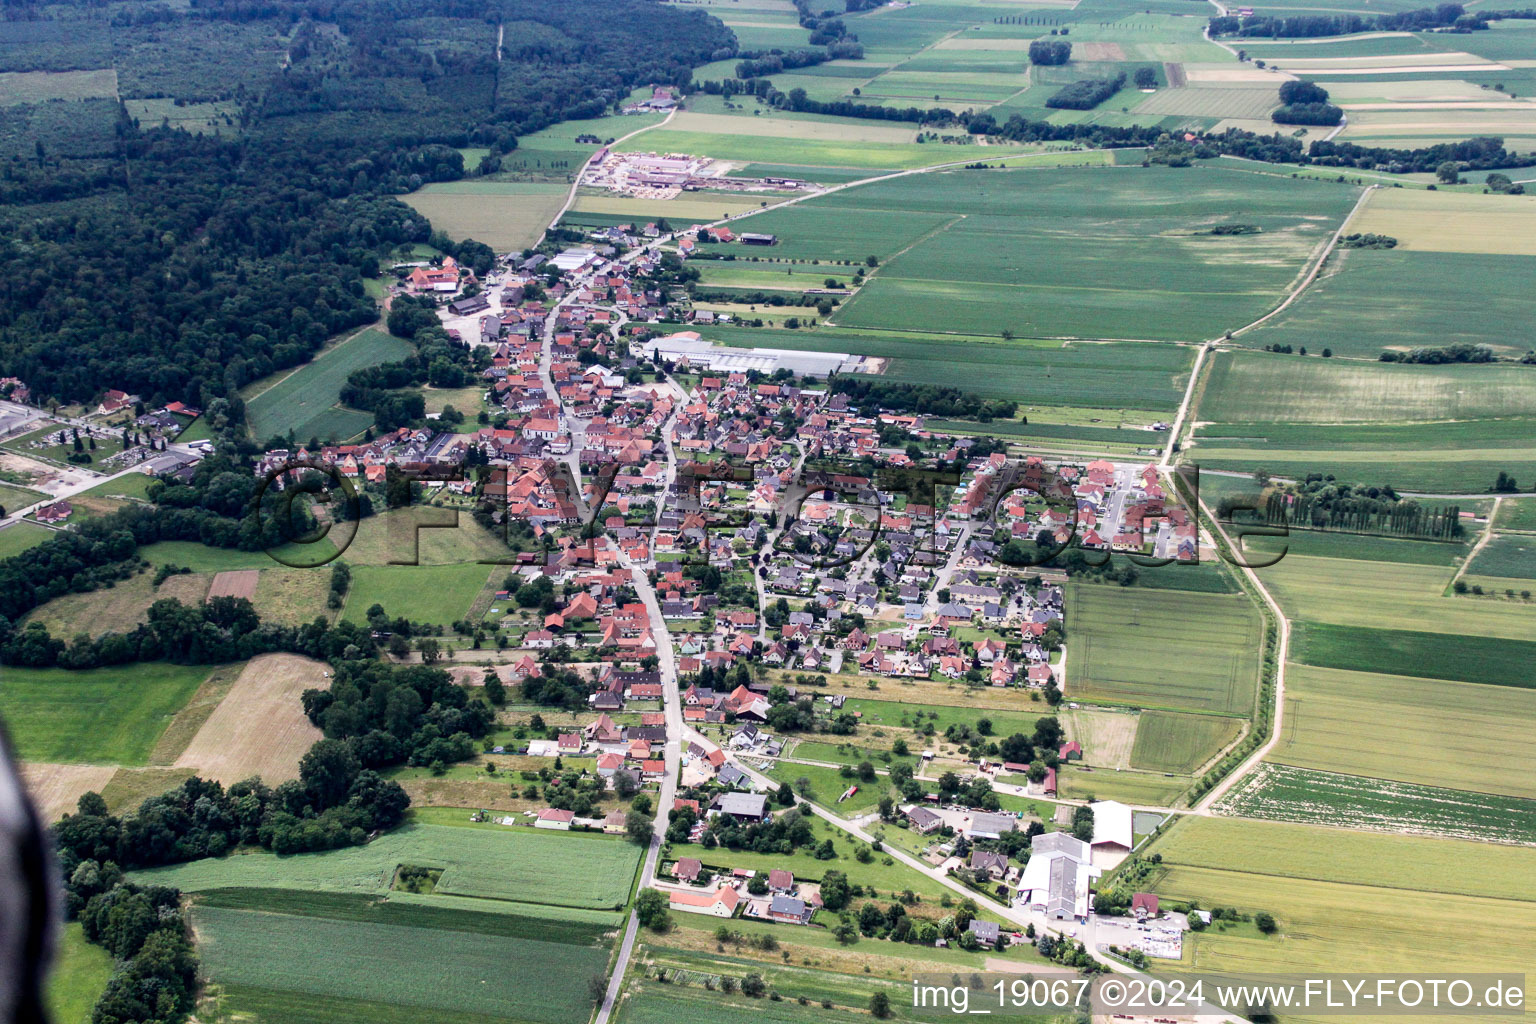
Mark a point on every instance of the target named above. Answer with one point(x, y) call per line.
point(1511, 557)
point(1381, 595)
point(505, 215)
point(1463, 735)
point(228, 748)
point(471, 974)
point(1170, 742)
point(522, 865)
point(1283, 793)
point(1357, 306)
point(1469, 659)
point(1518, 514)
point(94, 716)
point(1165, 649)
point(304, 401)
point(1077, 375)
point(984, 252)
point(1398, 862)
point(1247, 387)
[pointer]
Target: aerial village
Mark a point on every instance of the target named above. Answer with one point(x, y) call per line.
point(710, 534)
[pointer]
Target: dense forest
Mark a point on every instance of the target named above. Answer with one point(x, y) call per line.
point(180, 266)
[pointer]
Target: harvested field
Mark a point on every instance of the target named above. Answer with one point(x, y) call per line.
point(1452, 221)
point(503, 215)
point(1106, 736)
point(116, 609)
point(829, 128)
point(55, 788)
point(1361, 722)
point(260, 727)
point(235, 583)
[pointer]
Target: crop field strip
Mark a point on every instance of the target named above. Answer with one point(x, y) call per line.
point(1276, 792)
point(1050, 373)
point(1463, 658)
point(471, 971)
point(1361, 723)
point(1163, 649)
point(513, 869)
point(1383, 596)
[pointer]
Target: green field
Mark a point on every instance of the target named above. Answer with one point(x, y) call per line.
point(470, 973)
point(1171, 742)
point(20, 536)
point(13, 497)
point(1358, 307)
point(1397, 862)
point(304, 401)
point(1169, 649)
point(1512, 557)
point(95, 716)
point(1258, 387)
point(438, 594)
point(502, 869)
point(201, 558)
point(1462, 735)
point(1150, 789)
point(1516, 514)
point(1385, 595)
point(79, 977)
point(1468, 659)
point(1283, 793)
point(981, 252)
point(1047, 373)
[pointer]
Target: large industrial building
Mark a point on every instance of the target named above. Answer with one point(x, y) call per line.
point(687, 346)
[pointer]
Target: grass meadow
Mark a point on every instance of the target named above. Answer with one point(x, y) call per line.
point(1162, 649)
point(96, 716)
point(79, 976)
point(20, 536)
point(1462, 735)
point(304, 401)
